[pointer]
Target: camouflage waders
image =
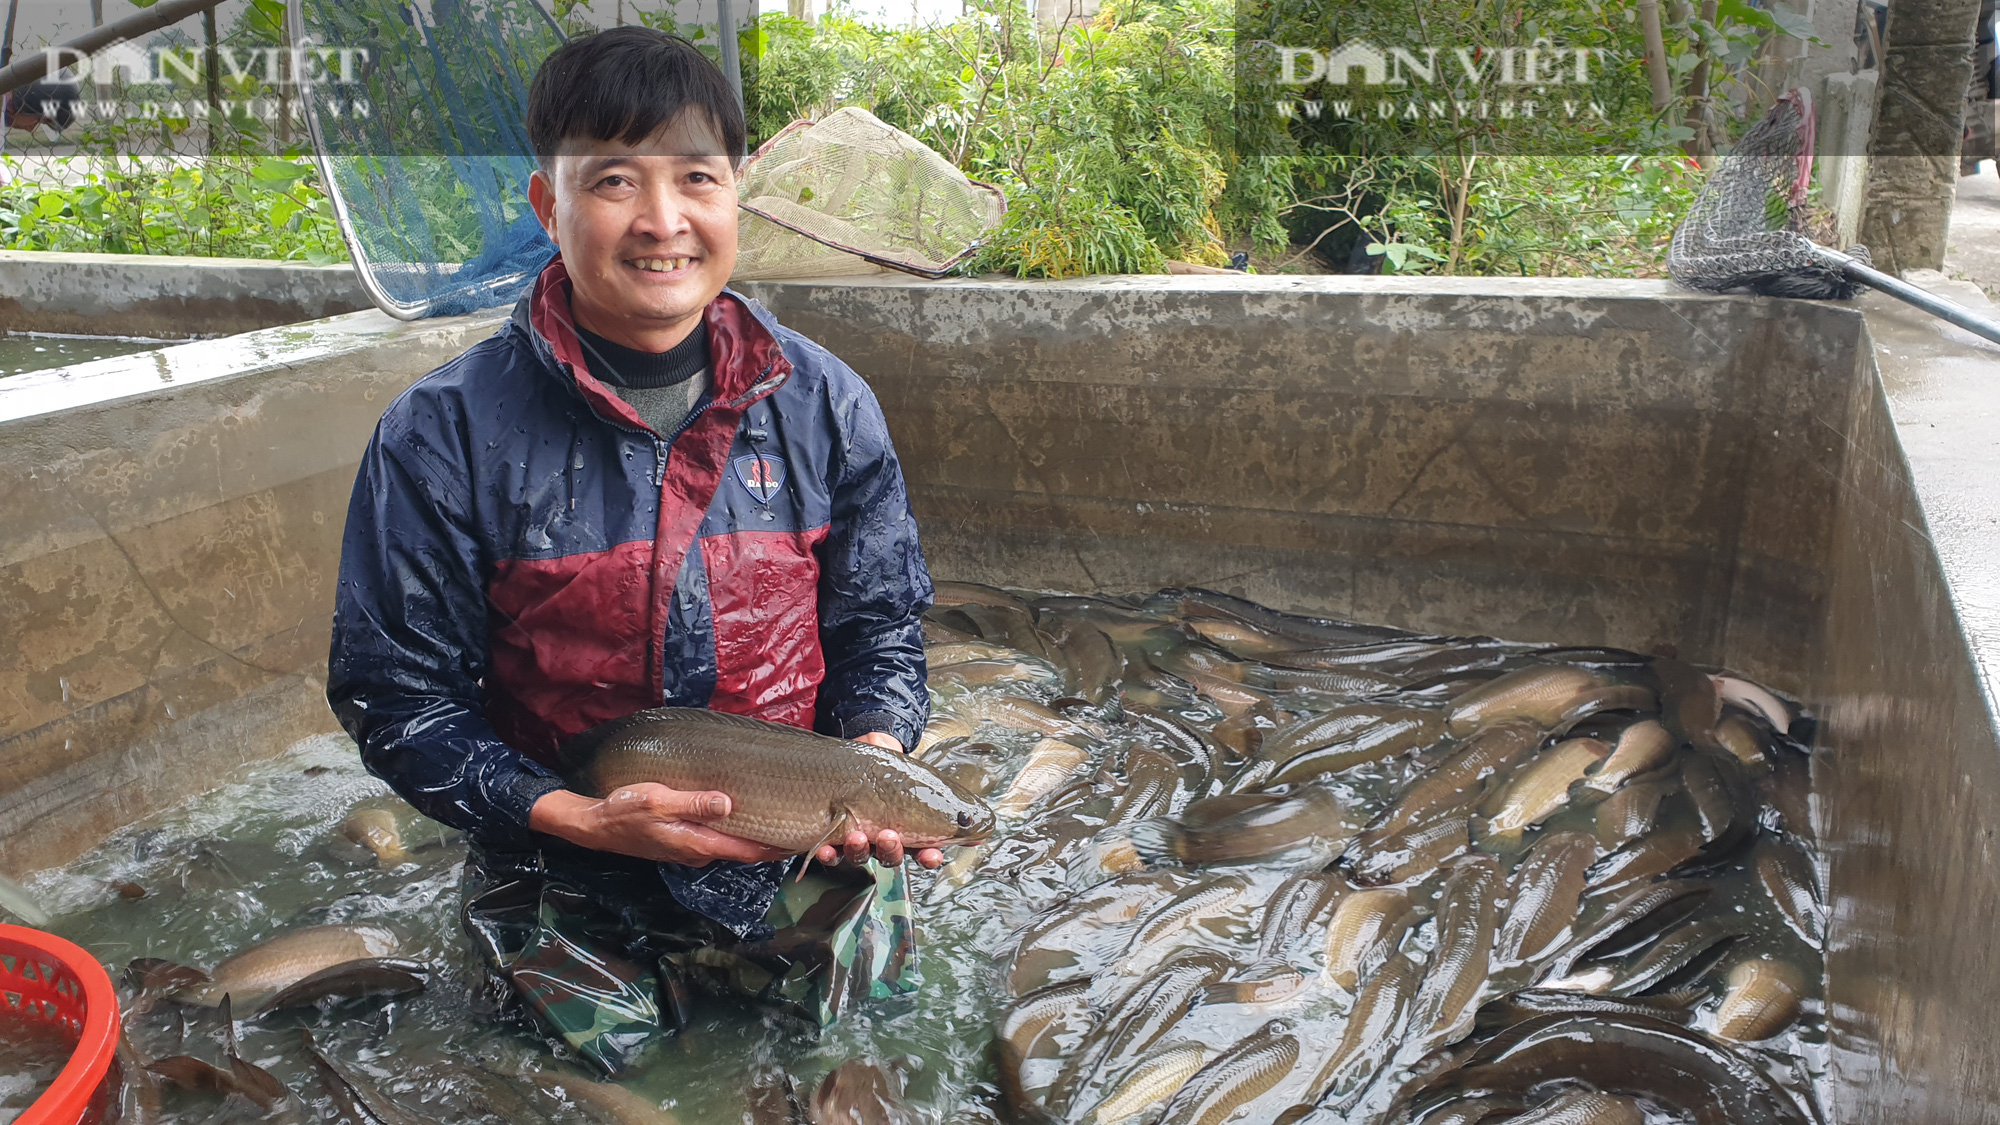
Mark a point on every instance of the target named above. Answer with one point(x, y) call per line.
point(602, 957)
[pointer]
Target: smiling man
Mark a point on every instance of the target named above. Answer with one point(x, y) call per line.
point(642, 491)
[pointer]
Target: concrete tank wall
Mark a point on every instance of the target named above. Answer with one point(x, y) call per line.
point(1587, 462)
point(1775, 486)
point(169, 534)
point(166, 298)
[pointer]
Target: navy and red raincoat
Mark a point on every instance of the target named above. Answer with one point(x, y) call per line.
point(524, 559)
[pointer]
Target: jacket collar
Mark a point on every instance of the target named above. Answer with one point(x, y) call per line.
point(746, 361)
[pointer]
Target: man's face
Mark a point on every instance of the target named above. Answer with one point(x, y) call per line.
point(647, 231)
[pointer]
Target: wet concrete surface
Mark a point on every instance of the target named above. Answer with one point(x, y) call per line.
point(1909, 787)
point(1972, 247)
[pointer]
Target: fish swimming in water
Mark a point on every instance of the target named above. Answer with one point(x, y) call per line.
point(269, 967)
point(861, 1092)
point(788, 788)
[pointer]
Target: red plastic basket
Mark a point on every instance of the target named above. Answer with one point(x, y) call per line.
point(44, 978)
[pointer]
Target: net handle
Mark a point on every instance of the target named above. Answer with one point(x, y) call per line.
point(1903, 291)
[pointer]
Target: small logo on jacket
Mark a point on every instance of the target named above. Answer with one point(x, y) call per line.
point(761, 474)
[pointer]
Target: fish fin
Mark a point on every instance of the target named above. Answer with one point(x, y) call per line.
point(228, 1028)
point(841, 822)
point(247, 1078)
point(253, 1081)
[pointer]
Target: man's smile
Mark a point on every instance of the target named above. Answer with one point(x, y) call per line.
point(661, 265)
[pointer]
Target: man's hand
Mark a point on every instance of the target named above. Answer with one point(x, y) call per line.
point(648, 821)
point(888, 844)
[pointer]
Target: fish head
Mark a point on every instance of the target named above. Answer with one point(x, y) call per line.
point(944, 814)
point(971, 818)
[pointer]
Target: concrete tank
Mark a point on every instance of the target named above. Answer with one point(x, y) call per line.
point(1803, 492)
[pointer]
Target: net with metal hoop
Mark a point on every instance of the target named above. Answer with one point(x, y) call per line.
point(424, 146)
point(1753, 226)
point(839, 195)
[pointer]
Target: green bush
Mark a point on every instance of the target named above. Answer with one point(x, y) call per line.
point(244, 207)
point(1119, 141)
point(1120, 145)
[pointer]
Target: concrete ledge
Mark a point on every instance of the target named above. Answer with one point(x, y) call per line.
point(166, 298)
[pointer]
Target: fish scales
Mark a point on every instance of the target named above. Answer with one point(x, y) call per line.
point(1203, 900)
point(1294, 907)
point(1457, 781)
point(1631, 812)
point(268, 967)
point(1542, 694)
point(1029, 1028)
point(1339, 739)
point(1373, 1028)
point(1541, 787)
point(1412, 853)
point(1066, 934)
point(1360, 920)
point(1546, 888)
point(1640, 748)
point(1236, 1078)
point(1787, 878)
point(1140, 1020)
point(1583, 1107)
point(789, 788)
point(1641, 912)
point(1265, 982)
point(1443, 1008)
point(1155, 1079)
point(1050, 763)
point(1673, 952)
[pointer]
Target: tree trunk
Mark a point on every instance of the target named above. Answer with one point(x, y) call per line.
point(1919, 122)
point(1656, 54)
point(1700, 146)
point(212, 70)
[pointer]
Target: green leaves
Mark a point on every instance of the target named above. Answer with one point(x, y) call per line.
point(252, 207)
point(273, 174)
point(1775, 18)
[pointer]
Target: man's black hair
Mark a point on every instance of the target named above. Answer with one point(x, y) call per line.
point(625, 84)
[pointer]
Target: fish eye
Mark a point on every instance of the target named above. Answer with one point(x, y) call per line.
point(965, 820)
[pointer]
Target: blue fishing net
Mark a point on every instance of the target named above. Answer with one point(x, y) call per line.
point(417, 113)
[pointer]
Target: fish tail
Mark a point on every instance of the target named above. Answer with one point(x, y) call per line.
point(1156, 840)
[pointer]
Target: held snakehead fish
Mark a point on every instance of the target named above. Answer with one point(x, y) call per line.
point(788, 788)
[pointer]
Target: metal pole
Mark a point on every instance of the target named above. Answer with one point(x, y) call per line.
point(18, 74)
point(1903, 291)
point(7, 39)
point(732, 66)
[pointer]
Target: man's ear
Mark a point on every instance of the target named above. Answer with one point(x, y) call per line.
point(542, 197)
